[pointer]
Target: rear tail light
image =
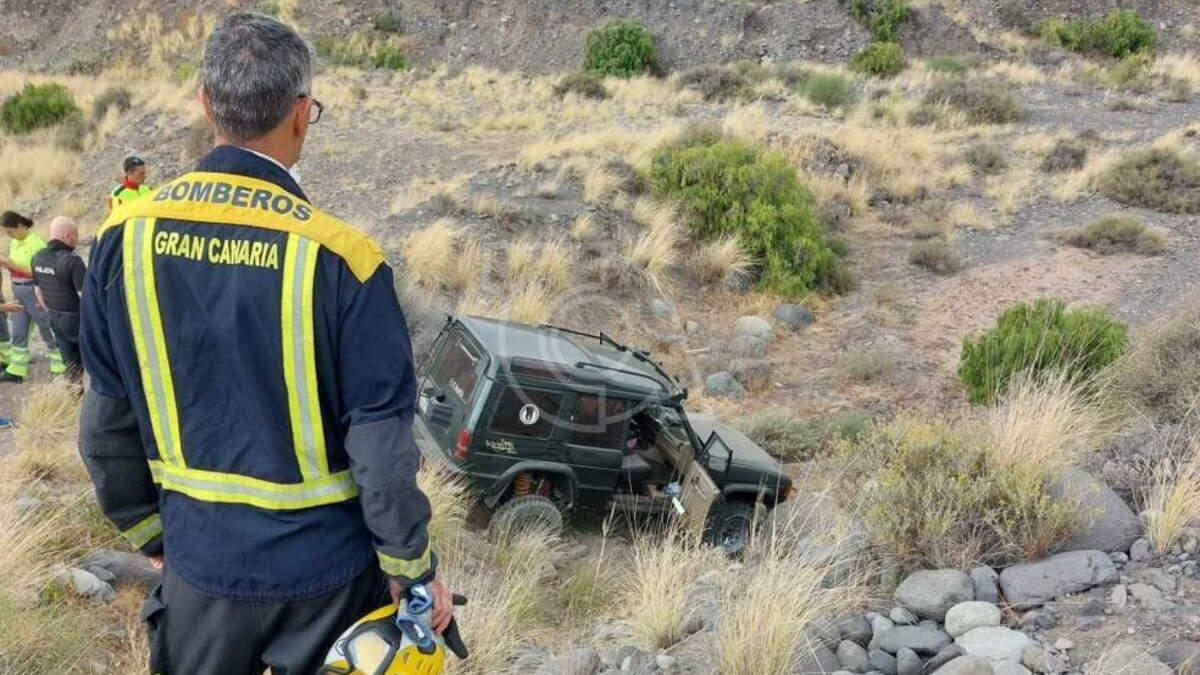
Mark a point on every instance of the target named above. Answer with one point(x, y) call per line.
point(461, 444)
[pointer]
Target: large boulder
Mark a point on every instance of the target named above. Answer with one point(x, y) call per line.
point(723, 385)
point(1182, 655)
point(1129, 658)
point(1029, 585)
point(795, 317)
point(930, 593)
point(966, 665)
point(1106, 521)
point(967, 616)
point(753, 326)
point(995, 643)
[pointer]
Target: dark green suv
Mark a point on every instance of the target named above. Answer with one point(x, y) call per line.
point(542, 420)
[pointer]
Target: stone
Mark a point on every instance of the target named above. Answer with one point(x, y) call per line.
point(1042, 662)
point(27, 505)
point(1140, 550)
point(1150, 597)
point(882, 661)
point(1092, 607)
point(1027, 585)
point(1129, 658)
point(903, 617)
point(723, 385)
point(920, 639)
point(986, 580)
point(994, 643)
point(1038, 620)
point(946, 655)
point(665, 662)
point(880, 625)
point(753, 374)
point(1064, 644)
point(1119, 597)
point(736, 281)
point(855, 628)
point(966, 665)
point(795, 317)
point(583, 661)
point(826, 632)
point(1088, 623)
point(1157, 578)
point(929, 593)
point(753, 326)
point(631, 659)
point(853, 657)
point(1009, 668)
point(1183, 656)
point(748, 347)
point(691, 327)
point(1107, 523)
point(908, 663)
point(125, 568)
point(817, 660)
point(660, 308)
point(88, 585)
point(967, 616)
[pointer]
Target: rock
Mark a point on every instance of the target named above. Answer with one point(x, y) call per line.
point(748, 346)
point(880, 625)
point(126, 568)
point(1038, 620)
point(985, 580)
point(1139, 551)
point(753, 374)
point(1119, 597)
point(1092, 607)
point(691, 327)
point(795, 317)
point(994, 643)
point(853, 657)
point(929, 593)
point(660, 308)
point(632, 659)
point(1028, 585)
point(1009, 668)
point(1128, 658)
point(90, 586)
point(967, 616)
point(1108, 524)
point(1150, 597)
point(723, 385)
point(966, 665)
point(693, 624)
point(943, 657)
point(26, 505)
point(816, 660)
point(855, 628)
point(1042, 662)
point(908, 663)
point(753, 326)
point(903, 617)
point(882, 661)
point(1064, 644)
point(583, 661)
point(736, 281)
point(1087, 623)
point(826, 632)
point(920, 639)
point(1183, 656)
point(665, 662)
point(1157, 578)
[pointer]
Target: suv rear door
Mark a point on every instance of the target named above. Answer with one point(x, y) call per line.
point(453, 376)
point(594, 442)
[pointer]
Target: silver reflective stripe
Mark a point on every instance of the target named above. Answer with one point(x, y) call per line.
point(341, 485)
point(302, 365)
point(141, 277)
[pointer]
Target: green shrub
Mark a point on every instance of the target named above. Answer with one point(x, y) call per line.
point(620, 48)
point(587, 85)
point(727, 187)
point(986, 159)
point(719, 83)
point(1115, 234)
point(936, 255)
point(1131, 73)
point(1037, 339)
point(37, 106)
point(389, 22)
point(360, 53)
point(937, 498)
point(1154, 178)
point(1119, 34)
point(389, 57)
point(881, 17)
point(113, 97)
point(951, 65)
point(829, 90)
point(83, 61)
point(881, 59)
point(982, 102)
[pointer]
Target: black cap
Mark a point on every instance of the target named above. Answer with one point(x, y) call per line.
point(132, 162)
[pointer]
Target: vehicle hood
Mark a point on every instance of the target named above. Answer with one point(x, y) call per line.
point(748, 456)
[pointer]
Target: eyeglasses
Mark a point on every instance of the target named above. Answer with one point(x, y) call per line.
point(313, 118)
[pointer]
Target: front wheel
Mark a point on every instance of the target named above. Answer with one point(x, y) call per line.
point(730, 526)
point(525, 513)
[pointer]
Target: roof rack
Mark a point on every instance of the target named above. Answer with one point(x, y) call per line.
point(604, 338)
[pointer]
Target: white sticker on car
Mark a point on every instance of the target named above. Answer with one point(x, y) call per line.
point(529, 414)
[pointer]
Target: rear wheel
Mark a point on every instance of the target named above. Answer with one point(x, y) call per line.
point(730, 525)
point(525, 513)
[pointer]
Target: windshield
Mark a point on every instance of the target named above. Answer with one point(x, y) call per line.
point(457, 367)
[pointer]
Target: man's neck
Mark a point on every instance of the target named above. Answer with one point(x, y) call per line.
point(263, 146)
point(132, 185)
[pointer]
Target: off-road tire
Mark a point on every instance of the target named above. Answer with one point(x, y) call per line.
point(730, 525)
point(526, 512)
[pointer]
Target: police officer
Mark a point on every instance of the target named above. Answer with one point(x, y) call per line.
point(248, 422)
point(58, 279)
point(24, 244)
point(132, 185)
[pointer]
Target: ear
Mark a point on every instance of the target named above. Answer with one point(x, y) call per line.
point(202, 96)
point(300, 116)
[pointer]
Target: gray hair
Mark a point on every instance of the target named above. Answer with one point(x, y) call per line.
point(255, 68)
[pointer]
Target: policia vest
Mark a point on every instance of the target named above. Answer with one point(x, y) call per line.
point(234, 288)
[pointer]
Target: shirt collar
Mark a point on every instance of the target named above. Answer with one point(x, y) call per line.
point(291, 172)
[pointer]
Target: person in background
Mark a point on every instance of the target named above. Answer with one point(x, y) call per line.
point(132, 186)
point(58, 279)
point(25, 243)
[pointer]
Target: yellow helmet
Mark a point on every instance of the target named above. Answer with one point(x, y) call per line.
point(391, 642)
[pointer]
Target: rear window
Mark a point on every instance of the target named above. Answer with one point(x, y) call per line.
point(457, 367)
point(526, 412)
point(598, 422)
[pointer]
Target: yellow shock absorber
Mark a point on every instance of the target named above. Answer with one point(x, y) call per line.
point(522, 485)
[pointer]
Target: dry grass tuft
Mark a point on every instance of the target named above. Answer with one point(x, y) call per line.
point(34, 168)
point(449, 501)
point(599, 184)
point(584, 227)
point(531, 303)
point(1115, 234)
point(1045, 425)
point(749, 123)
point(718, 259)
point(429, 253)
point(653, 254)
point(1174, 500)
point(653, 214)
point(664, 564)
point(47, 425)
point(444, 191)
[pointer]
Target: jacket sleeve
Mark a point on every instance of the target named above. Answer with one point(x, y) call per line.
point(109, 439)
point(377, 386)
point(78, 272)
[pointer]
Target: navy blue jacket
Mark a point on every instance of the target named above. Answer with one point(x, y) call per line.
point(195, 437)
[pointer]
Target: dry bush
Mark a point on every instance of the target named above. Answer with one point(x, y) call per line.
point(34, 167)
point(1155, 178)
point(1174, 500)
point(1116, 234)
point(469, 268)
point(531, 303)
point(553, 265)
point(749, 123)
point(446, 193)
point(599, 184)
point(664, 564)
point(584, 227)
point(653, 254)
point(47, 425)
point(653, 214)
point(1044, 425)
point(720, 258)
point(869, 364)
point(443, 255)
point(936, 255)
point(1068, 154)
point(1159, 377)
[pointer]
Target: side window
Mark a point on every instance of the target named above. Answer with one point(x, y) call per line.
point(457, 367)
point(526, 412)
point(598, 422)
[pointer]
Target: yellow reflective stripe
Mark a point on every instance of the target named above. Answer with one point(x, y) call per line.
point(146, 530)
point(149, 339)
point(409, 569)
point(228, 488)
point(300, 356)
point(193, 198)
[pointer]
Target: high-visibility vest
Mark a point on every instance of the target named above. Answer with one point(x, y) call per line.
point(123, 195)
